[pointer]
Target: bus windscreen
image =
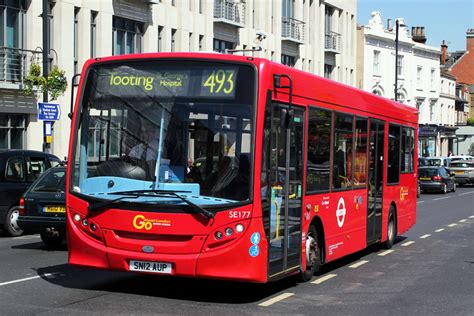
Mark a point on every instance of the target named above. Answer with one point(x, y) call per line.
point(181, 126)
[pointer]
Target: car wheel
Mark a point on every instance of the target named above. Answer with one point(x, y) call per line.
point(313, 255)
point(445, 188)
point(52, 241)
point(391, 229)
point(11, 222)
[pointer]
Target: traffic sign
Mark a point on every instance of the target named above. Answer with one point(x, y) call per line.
point(49, 111)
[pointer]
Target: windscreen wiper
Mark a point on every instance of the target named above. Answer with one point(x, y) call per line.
point(101, 205)
point(163, 193)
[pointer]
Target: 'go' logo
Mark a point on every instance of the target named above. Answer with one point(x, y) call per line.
point(140, 222)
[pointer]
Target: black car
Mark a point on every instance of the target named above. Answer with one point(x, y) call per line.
point(18, 170)
point(43, 207)
point(436, 178)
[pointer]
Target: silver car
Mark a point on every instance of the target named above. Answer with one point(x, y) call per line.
point(463, 171)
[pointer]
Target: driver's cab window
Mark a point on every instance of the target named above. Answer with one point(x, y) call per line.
point(15, 169)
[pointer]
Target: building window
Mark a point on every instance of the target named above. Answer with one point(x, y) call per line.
point(221, 46)
point(173, 3)
point(94, 33)
point(127, 36)
point(432, 105)
point(12, 131)
point(160, 38)
point(288, 8)
point(400, 65)
point(419, 74)
point(190, 48)
point(200, 6)
point(328, 70)
point(432, 78)
point(173, 39)
point(201, 42)
point(288, 60)
point(376, 62)
point(76, 38)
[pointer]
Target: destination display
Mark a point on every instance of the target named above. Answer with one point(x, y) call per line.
point(167, 81)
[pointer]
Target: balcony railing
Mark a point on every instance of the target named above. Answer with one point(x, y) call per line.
point(230, 11)
point(332, 42)
point(292, 29)
point(15, 64)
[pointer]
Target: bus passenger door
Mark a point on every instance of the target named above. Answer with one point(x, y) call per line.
point(285, 179)
point(375, 190)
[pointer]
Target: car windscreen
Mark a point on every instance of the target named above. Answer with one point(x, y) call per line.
point(462, 164)
point(427, 172)
point(52, 181)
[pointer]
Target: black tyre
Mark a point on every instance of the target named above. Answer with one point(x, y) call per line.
point(313, 255)
point(391, 229)
point(11, 222)
point(51, 241)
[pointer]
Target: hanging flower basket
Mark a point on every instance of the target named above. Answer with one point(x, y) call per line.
point(55, 85)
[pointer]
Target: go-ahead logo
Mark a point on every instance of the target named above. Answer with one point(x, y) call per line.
point(141, 222)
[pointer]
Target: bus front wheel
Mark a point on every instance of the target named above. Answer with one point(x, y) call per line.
point(313, 255)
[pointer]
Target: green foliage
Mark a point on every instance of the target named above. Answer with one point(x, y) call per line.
point(470, 121)
point(55, 85)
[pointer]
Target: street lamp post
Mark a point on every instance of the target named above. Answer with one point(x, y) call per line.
point(397, 27)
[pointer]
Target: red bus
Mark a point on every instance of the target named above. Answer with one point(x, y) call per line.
point(232, 167)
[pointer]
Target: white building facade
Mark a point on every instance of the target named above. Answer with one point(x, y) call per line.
point(418, 74)
point(313, 35)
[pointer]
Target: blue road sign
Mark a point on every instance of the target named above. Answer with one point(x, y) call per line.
point(49, 111)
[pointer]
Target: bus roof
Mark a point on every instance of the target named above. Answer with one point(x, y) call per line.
point(315, 87)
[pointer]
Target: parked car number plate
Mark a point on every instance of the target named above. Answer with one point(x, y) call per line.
point(459, 172)
point(425, 179)
point(149, 266)
point(54, 209)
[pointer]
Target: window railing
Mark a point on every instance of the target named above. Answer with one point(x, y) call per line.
point(230, 11)
point(15, 63)
point(332, 41)
point(292, 29)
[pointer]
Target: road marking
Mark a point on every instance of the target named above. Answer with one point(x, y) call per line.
point(442, 198)
point(28, 279)
point(452, 225)
point(419, 202)
point(386, 252)
point(472, 216)
point(276, 299)
point(358, 264)
point(439, 230)
point(408, 243)
point(324, 278)
point(425, 236)
point(465, 193)
point(462, 220)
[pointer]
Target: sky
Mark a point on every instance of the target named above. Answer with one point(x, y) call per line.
point(443, 19)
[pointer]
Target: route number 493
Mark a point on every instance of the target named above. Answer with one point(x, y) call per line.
point(239, 214)
point(220, 81)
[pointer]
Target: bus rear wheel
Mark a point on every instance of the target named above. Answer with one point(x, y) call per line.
point(391, 229)
point(313, 255)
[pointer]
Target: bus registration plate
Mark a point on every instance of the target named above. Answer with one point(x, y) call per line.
point(149, 266)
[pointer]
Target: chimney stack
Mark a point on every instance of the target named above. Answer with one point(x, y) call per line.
point(444, 53)
point(470, 40)
point(418, 34)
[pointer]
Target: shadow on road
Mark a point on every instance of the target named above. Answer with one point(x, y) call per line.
point(199, 290)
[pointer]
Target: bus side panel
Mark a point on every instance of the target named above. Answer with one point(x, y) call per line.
point(343, 215)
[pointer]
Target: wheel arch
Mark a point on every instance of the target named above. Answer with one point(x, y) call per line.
point(318, 224)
